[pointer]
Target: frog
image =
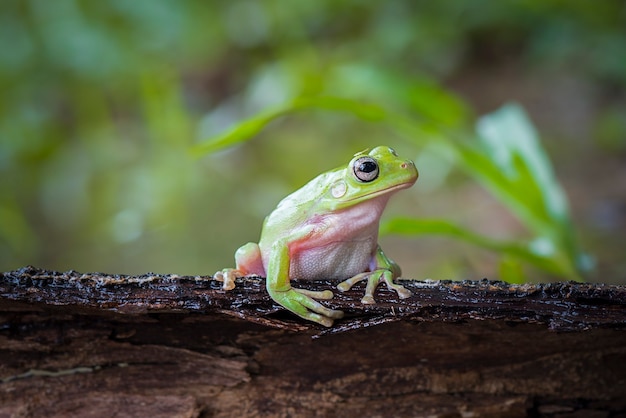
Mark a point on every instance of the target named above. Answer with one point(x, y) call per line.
point(328, 229)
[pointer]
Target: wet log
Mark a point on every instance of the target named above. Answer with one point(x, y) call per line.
point(96, 344)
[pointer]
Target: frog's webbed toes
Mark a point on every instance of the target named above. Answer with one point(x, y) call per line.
point(227, 277)
point(304, 306)
point(316, 307)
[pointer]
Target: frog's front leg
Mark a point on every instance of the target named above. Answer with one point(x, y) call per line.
point(248, 261)
point(386, 270)
point(298, 301)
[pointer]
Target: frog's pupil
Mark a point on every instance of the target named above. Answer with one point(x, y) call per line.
point(367, 166)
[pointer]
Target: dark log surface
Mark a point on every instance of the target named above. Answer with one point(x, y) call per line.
point(155, 345)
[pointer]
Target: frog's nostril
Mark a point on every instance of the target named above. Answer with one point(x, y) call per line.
point(403, 165)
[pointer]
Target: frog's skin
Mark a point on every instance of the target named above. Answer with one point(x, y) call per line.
point(328, 229)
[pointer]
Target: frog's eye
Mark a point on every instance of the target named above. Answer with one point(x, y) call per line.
point(365, 169)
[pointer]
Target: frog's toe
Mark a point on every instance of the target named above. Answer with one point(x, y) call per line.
point(335, 314)
point(368, 300)
point(404, 293)
point(322, 320)
point(343, 286)
point(323, 295)
point(347, 284)
point(318, 308)
point(227, 277)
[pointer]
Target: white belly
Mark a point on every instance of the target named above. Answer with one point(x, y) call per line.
point(338, 260)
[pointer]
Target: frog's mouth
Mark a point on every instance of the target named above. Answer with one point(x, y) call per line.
point(383, 191)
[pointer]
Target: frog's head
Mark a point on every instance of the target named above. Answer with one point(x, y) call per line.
point(370, 175)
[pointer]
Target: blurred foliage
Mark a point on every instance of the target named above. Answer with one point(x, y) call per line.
point(102, 101)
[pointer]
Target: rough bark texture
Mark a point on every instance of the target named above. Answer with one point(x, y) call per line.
point(96, 345)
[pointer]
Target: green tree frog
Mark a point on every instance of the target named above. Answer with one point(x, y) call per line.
point(328, 229)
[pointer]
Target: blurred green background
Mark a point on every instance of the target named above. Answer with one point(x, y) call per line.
point(102, 102)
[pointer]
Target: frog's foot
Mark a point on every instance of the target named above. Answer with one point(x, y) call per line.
point(403, 292)
point(227, 277)
point(373, 280)
point(347, 284)
point(300, 303)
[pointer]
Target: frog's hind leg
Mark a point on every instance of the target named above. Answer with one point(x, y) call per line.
point(373, 280)
point(248, 262)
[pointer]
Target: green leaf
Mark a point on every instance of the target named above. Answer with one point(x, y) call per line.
point(508, 134)
point(241, 132)
point(527, 183)
point(248, 128)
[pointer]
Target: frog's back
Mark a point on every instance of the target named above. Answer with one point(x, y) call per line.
point(299, 205)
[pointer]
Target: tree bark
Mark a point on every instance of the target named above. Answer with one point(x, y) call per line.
point(155, 345)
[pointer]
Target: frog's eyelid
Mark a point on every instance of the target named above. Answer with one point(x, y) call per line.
point(364, 152)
